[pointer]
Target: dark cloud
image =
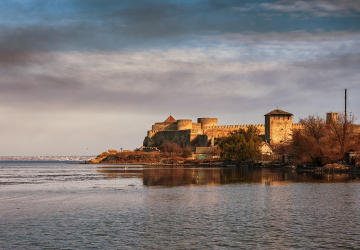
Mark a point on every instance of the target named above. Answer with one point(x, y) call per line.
point(146, 81)
point(117, 25)
point(320, 8)
point(49, 38)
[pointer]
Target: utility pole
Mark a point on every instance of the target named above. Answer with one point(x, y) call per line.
point(342, 146)
point(345, 108)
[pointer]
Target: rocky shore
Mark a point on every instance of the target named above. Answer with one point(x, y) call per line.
point(159, 158)
point(148, 158)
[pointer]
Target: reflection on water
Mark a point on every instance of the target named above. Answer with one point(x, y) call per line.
point(78, 206)
point(191, 176)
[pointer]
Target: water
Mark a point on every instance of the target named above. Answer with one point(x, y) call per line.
point(77, 206)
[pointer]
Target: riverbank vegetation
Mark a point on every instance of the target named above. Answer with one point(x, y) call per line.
point(240, 145)
point(320, 142)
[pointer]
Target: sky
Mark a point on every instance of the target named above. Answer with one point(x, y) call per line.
point(79, 77)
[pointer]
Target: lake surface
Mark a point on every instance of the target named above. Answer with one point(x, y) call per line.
point(78, 206)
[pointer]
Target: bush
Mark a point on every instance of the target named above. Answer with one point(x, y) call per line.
point(186, 153)
point(171, 148)
point(240, 145)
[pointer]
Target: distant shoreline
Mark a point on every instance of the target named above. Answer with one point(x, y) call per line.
point(34, 161)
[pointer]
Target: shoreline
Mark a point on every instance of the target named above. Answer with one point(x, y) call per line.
point(319, 170)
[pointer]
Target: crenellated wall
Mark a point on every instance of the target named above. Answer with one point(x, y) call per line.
point(164, 126)
point(224, 130)
point(297, 126)
point(234, 127)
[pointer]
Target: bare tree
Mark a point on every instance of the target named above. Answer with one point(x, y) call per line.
point(342, 132)
point(172, 148)
point(323, 142)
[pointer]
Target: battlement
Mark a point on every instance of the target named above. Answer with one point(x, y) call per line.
point(235, 126)
point(297, 126)
point(206, 122)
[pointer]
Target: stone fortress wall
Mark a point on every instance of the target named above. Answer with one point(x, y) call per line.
point(224, 130)
point(277, 129)
point(204, 132)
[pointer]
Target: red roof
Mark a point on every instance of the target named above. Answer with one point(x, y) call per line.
point(279, 112)
point(170, 119)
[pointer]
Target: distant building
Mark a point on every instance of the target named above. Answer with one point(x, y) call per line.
point(265, 148)
point(278, 126)
point(352, 158)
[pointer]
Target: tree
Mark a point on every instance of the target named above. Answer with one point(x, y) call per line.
point(240, 145)
point(323, 142)
point(304, 148)
point(214, 151)
point(342, 132)
point(186, 153)
point(173, 148)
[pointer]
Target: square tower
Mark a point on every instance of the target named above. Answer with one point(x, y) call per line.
point(332, 118)
point(278, 126)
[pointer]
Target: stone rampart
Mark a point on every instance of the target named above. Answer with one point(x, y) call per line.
point(182, 137)
point(184, 124)
point(196, 126)
point(224, 130)
point(194, 133)
point(234, 127)
point(164, 126)
point(297, 126)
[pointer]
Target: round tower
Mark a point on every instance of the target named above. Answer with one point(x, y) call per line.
point(207, 122)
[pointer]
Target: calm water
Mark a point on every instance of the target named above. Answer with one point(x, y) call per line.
point(75, 206)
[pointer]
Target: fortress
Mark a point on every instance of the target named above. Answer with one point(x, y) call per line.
point(276, 130)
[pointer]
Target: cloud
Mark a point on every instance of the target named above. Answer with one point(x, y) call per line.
point(318, 8)
point(99, 100)
point(128, 25)
point(103, 99)
point(180, 79)
point(289, 46)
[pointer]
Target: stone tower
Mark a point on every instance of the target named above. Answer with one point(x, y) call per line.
point(278, 126)
point(207, 122)
point(332, 118)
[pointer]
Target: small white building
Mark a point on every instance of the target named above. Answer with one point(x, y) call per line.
point(265, 148)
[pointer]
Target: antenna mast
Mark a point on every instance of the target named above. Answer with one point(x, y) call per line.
point(345, 107)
